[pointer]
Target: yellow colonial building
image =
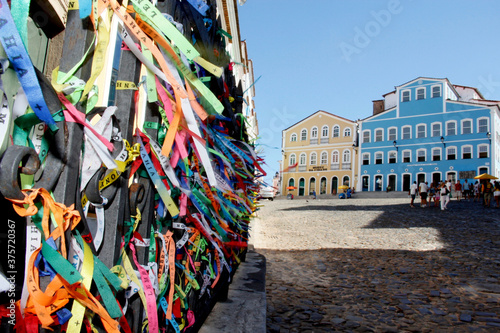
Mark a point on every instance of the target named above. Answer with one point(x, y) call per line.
point(319, 153)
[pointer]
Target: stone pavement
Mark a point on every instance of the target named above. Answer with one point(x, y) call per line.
point(373, 264)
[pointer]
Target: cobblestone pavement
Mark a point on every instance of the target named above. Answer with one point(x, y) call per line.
point(377, 265)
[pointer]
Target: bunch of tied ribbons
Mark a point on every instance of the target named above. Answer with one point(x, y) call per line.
point(202, 179)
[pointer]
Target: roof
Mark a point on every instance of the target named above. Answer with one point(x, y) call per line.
point(310, 116)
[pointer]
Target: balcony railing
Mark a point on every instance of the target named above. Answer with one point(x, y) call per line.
point(302, 168)
point(314, 141)
point(292, 169)
point(335, 166)
point(346, 166)
point(324, 140)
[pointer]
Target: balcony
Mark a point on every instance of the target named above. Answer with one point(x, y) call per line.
point(324, 140)
point(335, 166)
point(292, 169)
point(302, 168)
point(313, 141)
point(346, 166)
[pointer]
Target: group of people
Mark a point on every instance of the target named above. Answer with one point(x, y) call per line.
point(439, 194)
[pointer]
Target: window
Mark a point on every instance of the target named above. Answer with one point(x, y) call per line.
point(324, 132)
point(378, 158)
point(366, 136)
point(482, 125)
point(405, 96)
point(379, 135)
point(346, 156)
point(421, 131)
point(421, 155)
point(302, 159)
point(451, 128)
point(407, 156)
point(466, 152)
point(366, 158)
point(420, 93)
point(436, 129)
point(293, 137)
point(313, 159)
point(347, 132)
point(392, 134)
point(483, 151)
point(406, 133)
point(335, 157)
point(436, 91)
point(303, 135)
point(336, 131)
point(324, 157)
point(293, 159)
point(314, 132)
point(436, 154)
point(451, 153)
point(392, 157)
point(466, 126)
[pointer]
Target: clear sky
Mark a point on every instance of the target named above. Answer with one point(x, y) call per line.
point(339, 55)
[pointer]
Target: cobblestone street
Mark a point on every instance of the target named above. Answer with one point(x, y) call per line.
point(377, 265)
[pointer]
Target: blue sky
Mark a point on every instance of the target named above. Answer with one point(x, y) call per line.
point(339, 56)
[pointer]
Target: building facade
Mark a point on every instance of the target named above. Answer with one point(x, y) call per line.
point(319, 154)
point(428, 130)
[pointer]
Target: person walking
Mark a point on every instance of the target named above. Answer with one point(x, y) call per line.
point(445, 196)
point(458, 190)
point(422, 188)
point(496, 195)
point(488, 192)
point(413, 192)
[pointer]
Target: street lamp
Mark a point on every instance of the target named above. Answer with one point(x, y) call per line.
point(395, 143)
point(488, 135)
point(442, 141)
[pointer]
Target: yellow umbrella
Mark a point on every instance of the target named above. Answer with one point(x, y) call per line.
point(485, 176)
point(343, 187)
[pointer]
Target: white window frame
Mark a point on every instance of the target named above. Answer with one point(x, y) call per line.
point(432, 91)
point(347, 132)
point(395, 152)
point(471, 151)
point(338, 131)
point(402, 132)
point(440, 153)
point(417, 132)
point(403, 156)
point(323, 129)
point(389, 133)
point(381, 154)
point(446, 127)
point(303, 134)
point(314, 132)
point(462, 126)
point(403, 95)
point(487, 124)
point(335, 153)
point(416, 93)
point(363, 159)
point(479, 146)
point(425, 154)
point(440, 129)
point(456, 152)
point(381, 135)
point(302, 159)
point(313, 158)
point(323, 158)
point(347, 153)
point(292, 137)
point(292, 159)
point(369, 136)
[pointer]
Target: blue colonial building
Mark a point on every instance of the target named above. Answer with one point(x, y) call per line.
point(428, 130)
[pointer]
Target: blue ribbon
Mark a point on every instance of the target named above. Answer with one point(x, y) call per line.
point(20, 60)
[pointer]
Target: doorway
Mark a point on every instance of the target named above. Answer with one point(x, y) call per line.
point(436, 178)
point(335, 183)
point(420, 178)
point(406, 182)
point(392, 182)
point(365, 183)
point(378, 183)
point(302, 184)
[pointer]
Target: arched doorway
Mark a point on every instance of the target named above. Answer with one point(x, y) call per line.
point(378, 183)
point(365, 183)
point(335, 184)
point(392, 182)
point(345, 181)
point(322, 185)
point(312, 185)
point(406, 182)
point(302, 185)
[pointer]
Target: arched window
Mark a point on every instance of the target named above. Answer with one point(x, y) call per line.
point(366, 136)
point(324, 131)
point(482, 151)
point(303, 135)
point(346, 156)
point(451, 128)
point(324, 158)
point(302, 159)
point(336, 131)
point(314, 132)
point(482, 125)
point(313, 158)
point(421, 131)
point(347, 132)
point(379, 135)
point(293, 159)
point(291, 182)
point(335, 157)
point(293, 137)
